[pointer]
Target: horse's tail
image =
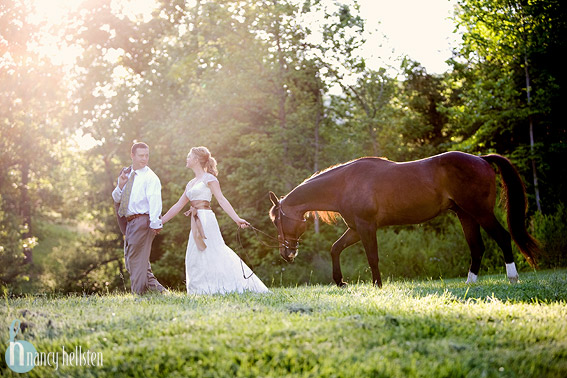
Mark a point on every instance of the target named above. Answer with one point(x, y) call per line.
point(516, 206)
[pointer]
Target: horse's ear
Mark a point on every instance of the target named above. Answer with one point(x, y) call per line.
point(274, 199)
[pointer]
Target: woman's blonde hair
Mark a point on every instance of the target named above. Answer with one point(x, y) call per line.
point(208, 162)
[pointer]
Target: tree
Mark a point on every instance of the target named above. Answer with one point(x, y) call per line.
point(426, 127)
point(32, 108)
point(511, 81)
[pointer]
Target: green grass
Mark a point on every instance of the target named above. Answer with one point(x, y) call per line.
point(407, 329)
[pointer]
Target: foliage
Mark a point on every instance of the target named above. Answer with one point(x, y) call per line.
point(33, 151)
point(509, 88)
point(12, 258)
point(551, 231)
point(406, 329)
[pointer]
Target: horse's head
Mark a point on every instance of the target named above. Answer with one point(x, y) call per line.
point(289, 229)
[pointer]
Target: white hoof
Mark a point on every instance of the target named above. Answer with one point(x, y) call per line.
point(471, 278)
point(512, 273)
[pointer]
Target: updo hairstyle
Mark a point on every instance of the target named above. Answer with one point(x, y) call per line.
point(208, 162)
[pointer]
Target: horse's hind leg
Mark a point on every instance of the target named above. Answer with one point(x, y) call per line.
point(471, 228)
point(347, 239)
point(367, 232)
point(504, 241)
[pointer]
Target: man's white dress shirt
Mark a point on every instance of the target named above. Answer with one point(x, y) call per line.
point(145, 197)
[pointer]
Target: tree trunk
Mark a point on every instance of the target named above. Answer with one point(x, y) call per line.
point(282, 95)
point(25, 210)
point(318, 117)
point(532, 142)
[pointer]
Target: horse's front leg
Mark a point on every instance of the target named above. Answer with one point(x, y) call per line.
point(347, 239)
point(367, 232)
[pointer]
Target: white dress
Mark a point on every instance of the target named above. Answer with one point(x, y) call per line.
point(217, 269)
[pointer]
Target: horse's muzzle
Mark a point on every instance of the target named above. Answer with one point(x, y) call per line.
point(288, 254)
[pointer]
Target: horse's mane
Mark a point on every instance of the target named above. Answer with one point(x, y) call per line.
point(330, 217)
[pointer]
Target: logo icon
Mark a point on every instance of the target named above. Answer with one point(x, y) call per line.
point(20, 355)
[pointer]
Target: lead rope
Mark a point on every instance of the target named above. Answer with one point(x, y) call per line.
point(242, 248)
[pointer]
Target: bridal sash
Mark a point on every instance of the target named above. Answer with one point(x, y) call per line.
point(196, 225)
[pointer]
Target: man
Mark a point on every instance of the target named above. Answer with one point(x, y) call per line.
point(137, 199)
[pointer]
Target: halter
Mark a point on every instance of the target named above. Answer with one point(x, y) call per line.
point(281, 237)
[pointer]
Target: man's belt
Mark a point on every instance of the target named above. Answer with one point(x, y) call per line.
point(132, 217)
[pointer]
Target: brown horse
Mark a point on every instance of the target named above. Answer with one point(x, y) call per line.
point(370, 193)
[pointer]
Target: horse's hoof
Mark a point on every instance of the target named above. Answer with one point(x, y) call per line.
point(472, 278)
point(342, 284)
point(514, 279)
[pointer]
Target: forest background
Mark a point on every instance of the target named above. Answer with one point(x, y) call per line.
point(276, 98)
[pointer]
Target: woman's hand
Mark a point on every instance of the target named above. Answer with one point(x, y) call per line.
point(242, 223)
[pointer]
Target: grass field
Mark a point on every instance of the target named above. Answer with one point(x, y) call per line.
point(407, 329)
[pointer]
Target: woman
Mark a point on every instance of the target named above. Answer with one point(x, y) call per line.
point(210, 265)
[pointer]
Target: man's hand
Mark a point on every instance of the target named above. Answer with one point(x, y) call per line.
point(123, 178)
